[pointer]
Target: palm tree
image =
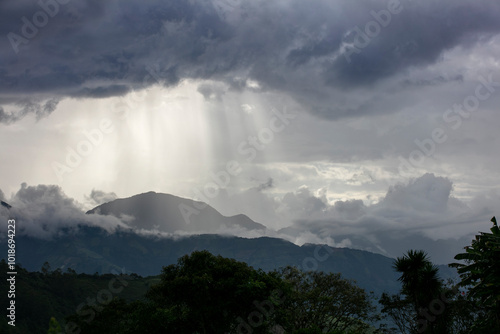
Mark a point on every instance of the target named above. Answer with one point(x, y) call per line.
point(420, 280)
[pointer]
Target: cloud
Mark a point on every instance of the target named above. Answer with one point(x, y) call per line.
point(420, 214)
point(307, 237)
point(98, 197)
point(102, 49)
point(103, 91)
point(44, 211)
point(428, 193)
point(406, 41)
point(212, 91)
point(266, 185)
point(434, 220)
point(26, 107)
point(302, 203)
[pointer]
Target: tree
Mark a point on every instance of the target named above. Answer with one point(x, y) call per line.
point(322, 302)
point(481, 274)
point(46, 270)
point(401, 312)
point(210, 294)
point(54, 327)
point(463, 314)
point(202, 293)
point(117, 316)
point(420, 286)
point(419, 278)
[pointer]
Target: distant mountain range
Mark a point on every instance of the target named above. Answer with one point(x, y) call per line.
point(92, 249)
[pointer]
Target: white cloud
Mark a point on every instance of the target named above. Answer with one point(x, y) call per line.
point(43, 211)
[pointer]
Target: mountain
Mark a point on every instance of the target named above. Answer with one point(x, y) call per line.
point(140, 249)
point(93, 250)
point(168, 213)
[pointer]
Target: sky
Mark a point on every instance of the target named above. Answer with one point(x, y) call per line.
point(339, 121)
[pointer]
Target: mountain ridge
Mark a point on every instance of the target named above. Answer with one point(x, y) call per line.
point(93, 249)
point(170, 213)
point(140, 247)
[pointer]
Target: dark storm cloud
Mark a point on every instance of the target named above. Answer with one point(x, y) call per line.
point(416, 34)
point(211, 91)
point(101, 92)
point(100, 49)
point(26, 107)
point(436, 81)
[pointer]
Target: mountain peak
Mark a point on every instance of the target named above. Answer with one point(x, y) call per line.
point(170, 213)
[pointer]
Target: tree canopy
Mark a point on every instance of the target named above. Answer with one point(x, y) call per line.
point(480, 274)
point(212, 294)
point(316, 300)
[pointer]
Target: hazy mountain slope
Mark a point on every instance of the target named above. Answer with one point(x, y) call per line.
point(94, 250)
point(168, 213)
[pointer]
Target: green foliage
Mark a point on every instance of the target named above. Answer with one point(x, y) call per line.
point(321, 302)
point(46, 268)
point(52, 293)
point(308, 331)
point(464, 314)
point(117, 316)
point(401, 311)
point(481, 274)
point(203, 293)
point(421, 288)
point(419, 278)
point(207, 294)
point(54, 327)
point(475, 311)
